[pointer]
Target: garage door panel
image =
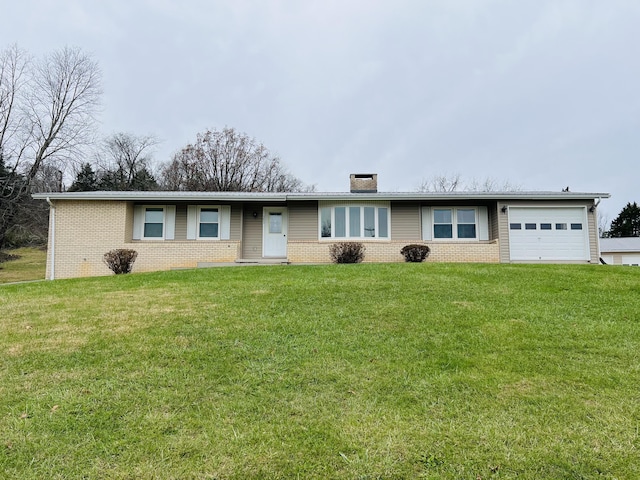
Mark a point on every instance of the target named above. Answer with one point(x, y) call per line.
point(563, 241)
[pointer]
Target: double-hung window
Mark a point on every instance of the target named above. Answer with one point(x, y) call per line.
point(455, 223)
point(209, 222)
point(354, 221)
point(153, 223)
point(443, 223)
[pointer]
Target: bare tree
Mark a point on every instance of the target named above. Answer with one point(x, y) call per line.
point(125, 162)
point(47, 115)
point(228, 161)
point(440, 183)
point(455, 183)
point(603, 224)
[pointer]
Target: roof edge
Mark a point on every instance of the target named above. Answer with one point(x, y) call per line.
point(292, 196)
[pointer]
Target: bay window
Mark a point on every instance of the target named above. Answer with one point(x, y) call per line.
point(361, 221)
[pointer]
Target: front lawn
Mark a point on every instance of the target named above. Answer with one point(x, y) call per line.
point(339, 371)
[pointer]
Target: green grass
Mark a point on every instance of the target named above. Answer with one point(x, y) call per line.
point(30, 264)
point(341, 371)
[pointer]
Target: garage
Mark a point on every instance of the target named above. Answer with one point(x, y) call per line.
point(548, 234)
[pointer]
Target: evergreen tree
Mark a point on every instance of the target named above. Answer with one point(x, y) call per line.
point(86, 180)
point(627, 223)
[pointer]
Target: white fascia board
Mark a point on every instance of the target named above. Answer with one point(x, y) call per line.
point(283, 197)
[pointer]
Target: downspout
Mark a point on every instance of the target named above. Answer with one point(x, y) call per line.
point(595, 212)
point(52, 240)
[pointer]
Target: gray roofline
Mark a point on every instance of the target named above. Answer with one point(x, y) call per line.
point(301, 196)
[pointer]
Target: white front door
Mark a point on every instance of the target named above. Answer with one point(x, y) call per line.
point(274, 235)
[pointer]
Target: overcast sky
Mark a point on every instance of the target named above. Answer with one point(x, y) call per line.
point(540, 93)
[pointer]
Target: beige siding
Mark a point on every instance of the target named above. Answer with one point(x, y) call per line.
point(181, 222)
point(303, 221)
point(252, 232)
point(503, 233)
point(592, 221)
point(128, 228)
point(236, 222)
point(494, 234)
point(405, 222)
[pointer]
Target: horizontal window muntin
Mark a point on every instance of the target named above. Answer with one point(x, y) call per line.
point(153, 228)
point(455, 223)
point(209, 223)
point(354, 221)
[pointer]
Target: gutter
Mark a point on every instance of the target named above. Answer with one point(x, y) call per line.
point(52, 239)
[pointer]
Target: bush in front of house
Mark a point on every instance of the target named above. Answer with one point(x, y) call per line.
point(347, 252)
point(415, 253)
point(120, 260)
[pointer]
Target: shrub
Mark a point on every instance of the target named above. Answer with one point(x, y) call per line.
point(347, 252)
point(120, 260)
point(415, 252)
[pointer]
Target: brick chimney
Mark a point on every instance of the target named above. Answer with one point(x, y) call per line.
point(364, 182)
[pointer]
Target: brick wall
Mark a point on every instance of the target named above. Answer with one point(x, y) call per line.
point(85, 231)
point(318, 252)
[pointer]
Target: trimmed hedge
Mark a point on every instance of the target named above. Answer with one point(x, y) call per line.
point(120, 260)
point(415, 253)
point(347, 252)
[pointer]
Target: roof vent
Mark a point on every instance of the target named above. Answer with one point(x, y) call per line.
point(364, 182)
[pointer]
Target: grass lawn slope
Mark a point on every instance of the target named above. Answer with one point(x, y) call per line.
point(22, 264)
point(330, 372)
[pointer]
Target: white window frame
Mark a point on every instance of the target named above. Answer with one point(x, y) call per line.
point(481, 223)
point(361, 206)
point(199, 221)
point(168, 222)
point(164, 221)
point(193, 222)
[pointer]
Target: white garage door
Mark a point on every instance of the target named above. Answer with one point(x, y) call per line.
point(548, 233)
point(628, 259)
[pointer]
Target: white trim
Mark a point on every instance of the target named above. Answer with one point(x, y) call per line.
point(170, 222)
point(52, 242)
point(225, 222)
point(427, 225)
point(483, 223)
point(138, 221)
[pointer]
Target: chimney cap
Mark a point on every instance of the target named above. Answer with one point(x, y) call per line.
point(364, 182)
